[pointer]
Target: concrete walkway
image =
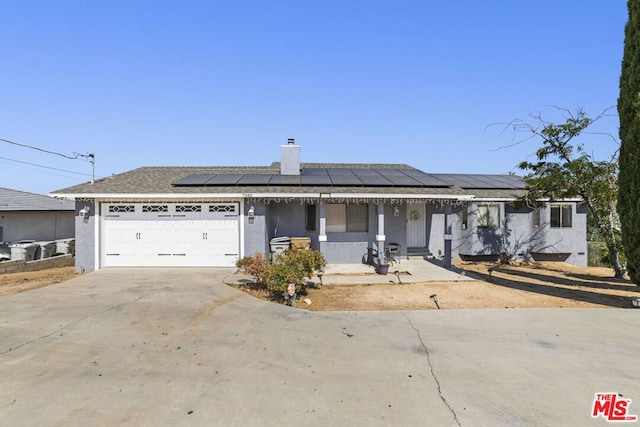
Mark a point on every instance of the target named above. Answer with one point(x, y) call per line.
point(410, 271)
point(176, 347)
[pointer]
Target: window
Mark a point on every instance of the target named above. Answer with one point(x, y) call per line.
point(222, 208)
point(560, 216)
point(188, 208)
point(535, 218)
point(347, 218)
point(155, 208)
point(310, 217)
point(465, 217)
point(488, 216)
point(121, 208)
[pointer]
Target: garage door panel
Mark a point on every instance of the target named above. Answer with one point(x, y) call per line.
point(137, 238)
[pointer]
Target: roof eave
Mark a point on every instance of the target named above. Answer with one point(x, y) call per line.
point(320, 195)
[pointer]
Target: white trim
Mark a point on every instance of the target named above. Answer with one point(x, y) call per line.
point(203, 196)
point(322, 238)
point(380, 237)
point(97, 228)
point(494, 199)
point(511, 199)
point(397, 196)
point(241, 219)
point(181, 196)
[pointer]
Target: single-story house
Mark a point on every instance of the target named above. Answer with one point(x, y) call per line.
point(29, 216)
point(212, 216)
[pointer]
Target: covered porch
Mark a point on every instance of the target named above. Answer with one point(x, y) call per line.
point(346, 228)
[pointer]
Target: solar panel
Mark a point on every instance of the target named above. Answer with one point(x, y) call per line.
point(340, 171)
point(482, 181)
point(285, 180)
point(229, 179)
point(478, 181)
point(372, 178)
point(254, 179)
point(431, 181)
point(198, 179)
point(363, 172)
point(390, 172)
point(343, 177)
point(378, 177)
point(398, 178)
point(314, 171)
point(511, 181)
point(315, 180)
point(403, 181)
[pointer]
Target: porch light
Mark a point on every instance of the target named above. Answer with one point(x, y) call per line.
point(396, 211)
point(252, 212)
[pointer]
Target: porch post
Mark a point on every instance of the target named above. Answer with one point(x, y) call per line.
point(447, 236)
point(322, 235)
point(380, 237)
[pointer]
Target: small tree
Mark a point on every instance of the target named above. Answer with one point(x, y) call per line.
point(564, 171)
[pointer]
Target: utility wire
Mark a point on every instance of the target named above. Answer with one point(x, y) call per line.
point(90, 157)
point(74, 178)
point(40, 149)
point(45, 167)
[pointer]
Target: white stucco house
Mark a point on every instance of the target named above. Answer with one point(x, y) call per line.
point(212, 216)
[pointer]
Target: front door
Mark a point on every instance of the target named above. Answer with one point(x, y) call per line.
point(416, 226)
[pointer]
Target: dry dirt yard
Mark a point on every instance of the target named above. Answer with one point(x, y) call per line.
point(12, 283)
point(510, 286)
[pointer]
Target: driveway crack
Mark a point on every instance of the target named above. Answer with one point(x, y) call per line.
point(72, 323)
point(433, 374)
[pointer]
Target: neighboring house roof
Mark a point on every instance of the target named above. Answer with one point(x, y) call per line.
point(343, 178)
point(14, 200)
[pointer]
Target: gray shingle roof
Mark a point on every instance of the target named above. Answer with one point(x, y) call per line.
point(14, 200)
point(159, 180)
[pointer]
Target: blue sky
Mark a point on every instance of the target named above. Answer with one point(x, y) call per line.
point(191, 83)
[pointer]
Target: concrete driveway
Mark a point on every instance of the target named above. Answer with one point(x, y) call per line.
point(177, 347)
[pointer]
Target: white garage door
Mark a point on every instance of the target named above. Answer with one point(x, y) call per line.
point(172, 235)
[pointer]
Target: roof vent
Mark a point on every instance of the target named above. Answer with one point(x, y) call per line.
point(290, 158)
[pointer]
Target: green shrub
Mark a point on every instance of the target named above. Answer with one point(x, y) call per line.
point(290, 266)
point(305, 261)
point(257, 266)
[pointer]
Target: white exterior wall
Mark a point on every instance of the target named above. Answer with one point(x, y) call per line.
point(518, 236)
point(39, 226)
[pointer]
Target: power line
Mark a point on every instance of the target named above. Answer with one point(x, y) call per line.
point(90, 157)
point(41, 149)
point(45, 167)
point(46, 172)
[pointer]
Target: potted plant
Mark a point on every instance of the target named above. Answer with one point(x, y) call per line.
point(383, 266)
